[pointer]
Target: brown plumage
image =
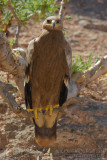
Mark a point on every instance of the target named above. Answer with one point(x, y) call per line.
point(48, 74)
point(49, 68)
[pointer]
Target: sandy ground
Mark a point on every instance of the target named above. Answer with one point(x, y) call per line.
point(84, 136)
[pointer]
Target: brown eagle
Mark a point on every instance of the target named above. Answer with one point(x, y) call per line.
point(47, 77)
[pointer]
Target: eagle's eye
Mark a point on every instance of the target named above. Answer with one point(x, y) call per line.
point(48, 21)
point(58, 21)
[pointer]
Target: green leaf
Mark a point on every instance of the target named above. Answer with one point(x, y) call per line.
point(79, 65)
point(68, 18)
point(12, 41)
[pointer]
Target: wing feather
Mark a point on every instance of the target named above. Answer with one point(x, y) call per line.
point(65, 85)
point(68, 54)
point(28, 70)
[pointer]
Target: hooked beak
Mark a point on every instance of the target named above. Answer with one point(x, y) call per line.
point(53, 24)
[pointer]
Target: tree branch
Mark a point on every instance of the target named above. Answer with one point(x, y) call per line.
point(17, 36)
point(8, 98)
point(80, 80)
point(94, 72)
point(19, 23)
point(13, 12)
point(11, 62)
point(61, 9)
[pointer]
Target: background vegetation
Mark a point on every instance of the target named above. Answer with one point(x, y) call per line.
point(26, 9)
point(33, 9)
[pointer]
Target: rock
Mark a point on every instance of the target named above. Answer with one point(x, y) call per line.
point(84, 23)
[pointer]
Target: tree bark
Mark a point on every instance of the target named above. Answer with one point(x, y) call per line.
point(19, 23)
point(81, 79)
point(12, 62)
point(10, 100)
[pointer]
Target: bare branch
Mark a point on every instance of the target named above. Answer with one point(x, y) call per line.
point(80, 80)
point(94, 72)
point(11, 62)
point(8, 98)
point(19, 23)
point(61, 9)
point(13, 12)
point(17, 36)
point(69, 103)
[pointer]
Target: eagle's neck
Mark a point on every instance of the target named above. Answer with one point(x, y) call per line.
point(55, 37)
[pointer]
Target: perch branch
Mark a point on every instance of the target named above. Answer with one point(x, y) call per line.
point(12, 63)
point(80, 80)
point(94, 72)
point(8, 98)
point(19, 23)
point(99, 69)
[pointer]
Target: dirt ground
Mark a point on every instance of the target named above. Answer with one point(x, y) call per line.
point(84, 136)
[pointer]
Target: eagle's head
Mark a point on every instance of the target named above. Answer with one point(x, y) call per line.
point(53, 23)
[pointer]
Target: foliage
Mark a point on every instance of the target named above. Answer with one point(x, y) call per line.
point(25, 9)
point(68, 18)
point(12, 41)
point(79, 65)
